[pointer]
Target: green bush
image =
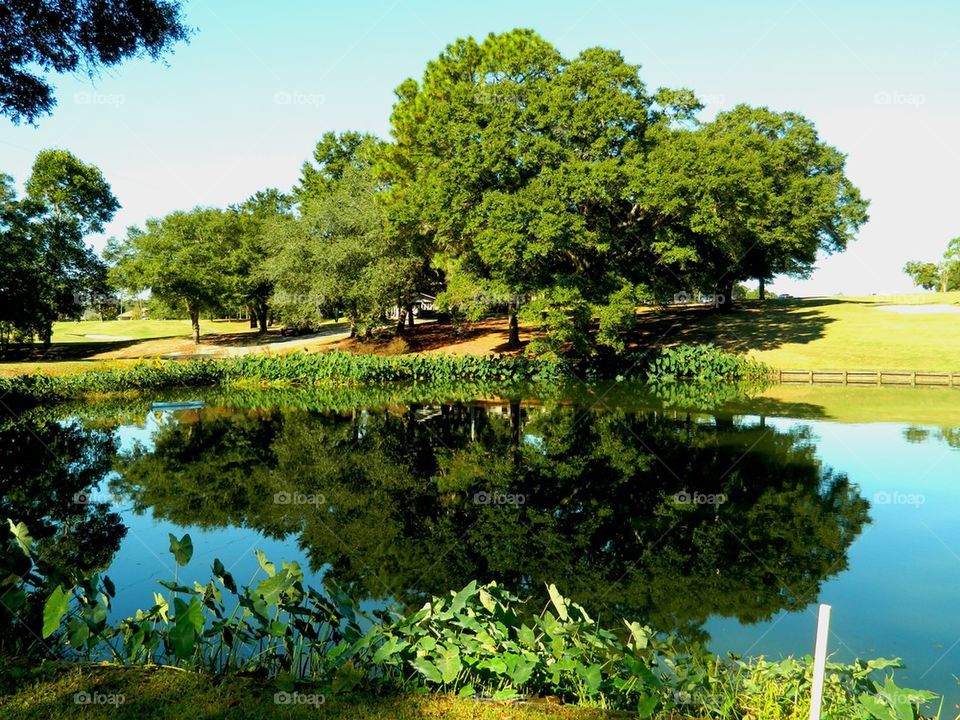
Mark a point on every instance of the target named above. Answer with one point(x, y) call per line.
point(703, 363)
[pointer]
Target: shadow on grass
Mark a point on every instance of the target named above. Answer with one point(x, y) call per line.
point(751, 326)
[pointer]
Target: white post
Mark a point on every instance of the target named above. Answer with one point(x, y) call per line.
point(819, 661)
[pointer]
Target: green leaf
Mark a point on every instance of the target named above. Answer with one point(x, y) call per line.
point(557, 599)
point(526, 636)
point(109, 586)
point(449, 664)
point(21, 535)
point(646, 705)
point(460, 599)
point(77, 632)
point(54, 609)
point(592, 676)
point(877, 709)
point(181, 549)
point(268, 567)
point(428, 670)
point(505, 694)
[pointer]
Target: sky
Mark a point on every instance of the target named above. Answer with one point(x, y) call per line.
point(241, 107)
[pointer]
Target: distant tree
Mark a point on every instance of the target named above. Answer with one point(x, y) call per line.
point(258, 216)
point(943, 276)
point(335, 260)
point(182, 258)
point(48, 272)
point(342, 256)
point(38, 37)
point(925, 275)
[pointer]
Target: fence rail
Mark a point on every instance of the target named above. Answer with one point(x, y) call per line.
point(867, 377)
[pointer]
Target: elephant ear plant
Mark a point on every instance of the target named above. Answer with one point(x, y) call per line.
point(482, 641)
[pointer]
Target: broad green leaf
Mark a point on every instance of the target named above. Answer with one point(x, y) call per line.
point(268, 567)
point(54, 609)
point(21, 535)
point(77, 632)
point(526, 636)
point(427, 669)
point(460, 599)
point(592, 676)
point(181, 549)
point(557, 599)
point(449, 664)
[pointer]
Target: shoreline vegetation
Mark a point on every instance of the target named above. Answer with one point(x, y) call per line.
point(704, 363)
point(282, 643)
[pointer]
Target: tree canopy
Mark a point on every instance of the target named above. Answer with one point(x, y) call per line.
point(559, 190)
point(38, 37)
point(181, 258)
point(48, 271)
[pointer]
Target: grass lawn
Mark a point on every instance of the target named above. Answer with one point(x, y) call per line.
point(80, 331)
point(93, 345)
point(824, 333)
point(163, 694)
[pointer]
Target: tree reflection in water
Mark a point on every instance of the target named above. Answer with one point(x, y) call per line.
point(645, 513)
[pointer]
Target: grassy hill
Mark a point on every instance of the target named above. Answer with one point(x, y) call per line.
point(855, 333)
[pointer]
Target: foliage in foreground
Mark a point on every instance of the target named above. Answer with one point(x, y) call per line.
point(479, 642)
point(703, 363)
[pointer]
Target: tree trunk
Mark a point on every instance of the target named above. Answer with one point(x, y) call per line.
point(763, 289)
point(513, 340)
point(724, 297)
point(253, 316)
point(263, 316)
point(45, 334)
point(401, 316)
point(195, 324)
point(409, 315)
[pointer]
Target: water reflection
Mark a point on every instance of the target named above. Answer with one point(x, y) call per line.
point(640, 512)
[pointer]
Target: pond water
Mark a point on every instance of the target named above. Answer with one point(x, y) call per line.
point(724, 521)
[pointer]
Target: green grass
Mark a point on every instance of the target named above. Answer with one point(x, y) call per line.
point(823, 333)
point(75, 331)
point(164, 694)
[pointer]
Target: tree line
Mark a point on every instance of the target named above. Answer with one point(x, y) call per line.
point(560, 191)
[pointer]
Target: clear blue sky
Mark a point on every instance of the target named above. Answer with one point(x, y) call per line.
point(241, 107)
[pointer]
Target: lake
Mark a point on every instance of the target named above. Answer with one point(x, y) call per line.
point(723, 518)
